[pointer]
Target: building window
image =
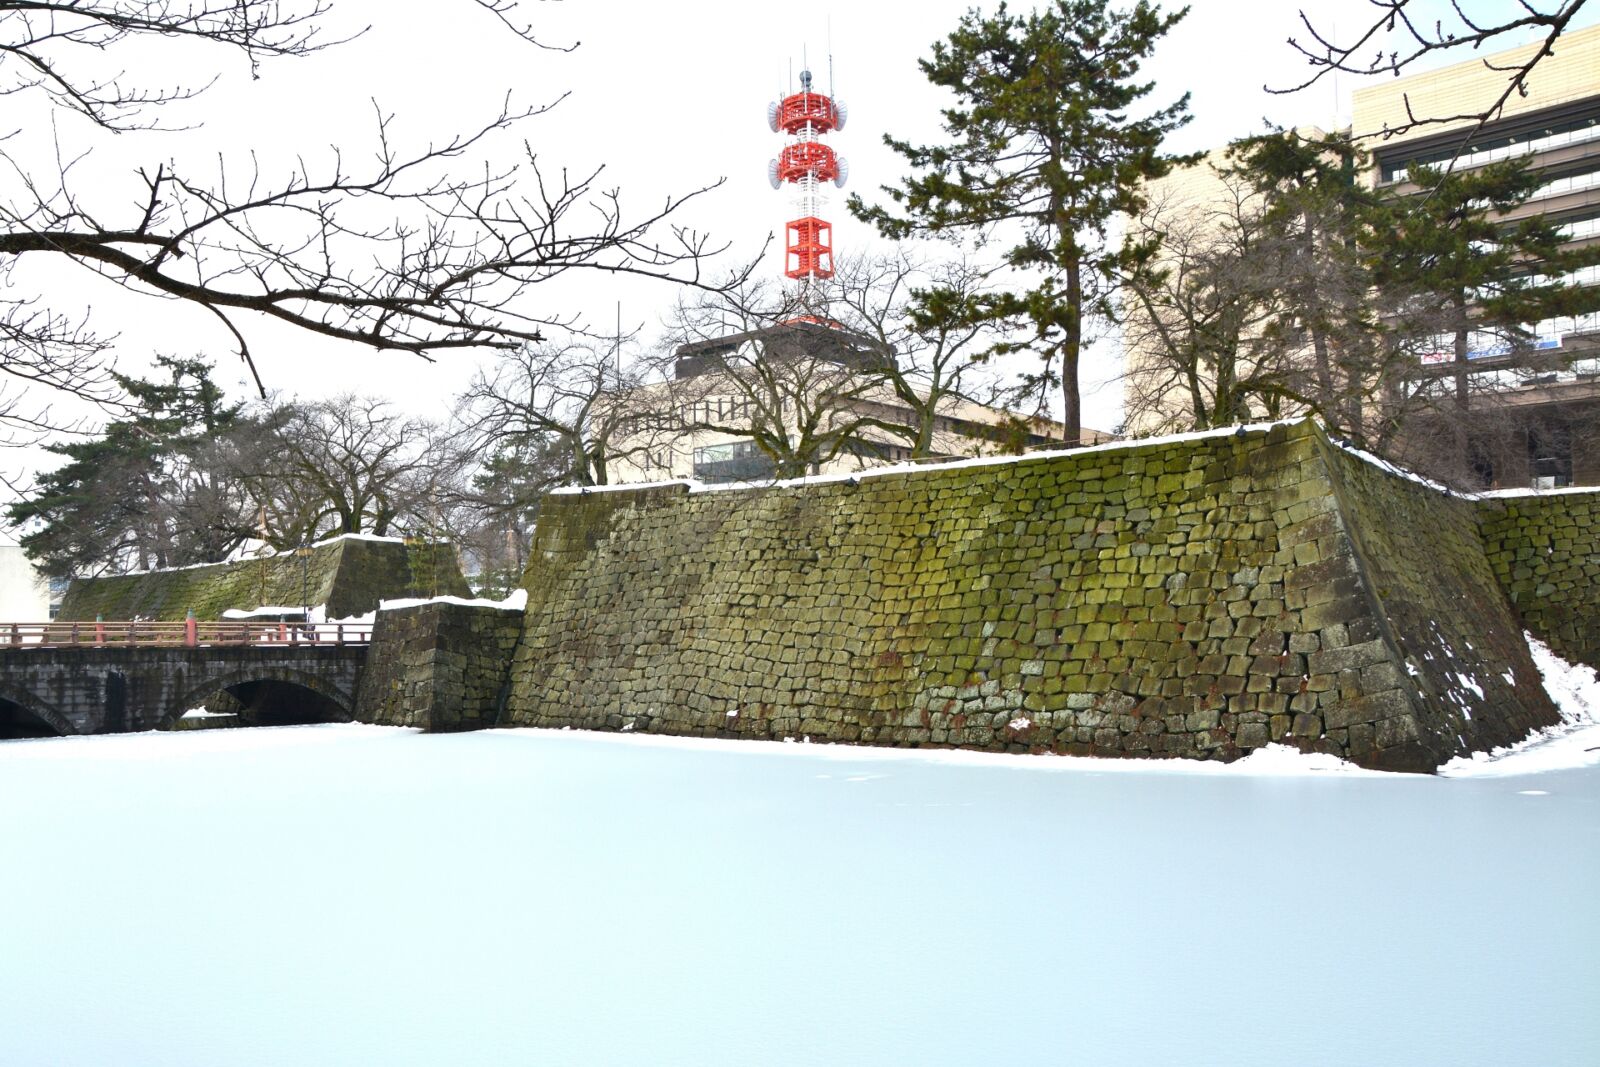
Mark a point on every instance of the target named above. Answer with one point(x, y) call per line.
point(1550, 456)
point(1494, 149)
point(735, 461)
point(1580, 229)
point(1567, 183)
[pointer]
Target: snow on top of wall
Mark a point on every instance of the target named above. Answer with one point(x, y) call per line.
point(1392, 468)
point(516, 601)
point(1109, 446)
point(170, 570)
point(1487, 494)
point(1503, 494)
point(356, 537)
point(925, 468)
point(268, 554)
point(265, 609)
point(620, 487)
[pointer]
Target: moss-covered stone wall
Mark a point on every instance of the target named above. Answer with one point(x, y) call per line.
point(1545, 550)
point(1198, 598)
point(1439, 606)
point(348, 574)
point(438, 667)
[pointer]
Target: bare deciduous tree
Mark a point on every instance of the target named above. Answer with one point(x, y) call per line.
point(487, 506)
point(929, 316)
point(1195, 324)
point(346, 465)
point(419, 251)
point(1264, 305)
point(577, 398)
point(770, 366)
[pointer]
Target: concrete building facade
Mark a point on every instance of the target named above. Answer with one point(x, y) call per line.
point(1550, 435)
point(1553, 434)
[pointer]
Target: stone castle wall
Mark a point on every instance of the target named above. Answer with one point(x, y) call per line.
point(1199, 597)
point(348, 574)
point(1438, 609)
point(1545, 551)
point(439, 667)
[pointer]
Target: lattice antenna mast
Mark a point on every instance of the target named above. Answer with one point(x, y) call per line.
point(808, 165)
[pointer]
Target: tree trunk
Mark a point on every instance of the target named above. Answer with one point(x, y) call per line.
point(923, 447)
point(1071, 403)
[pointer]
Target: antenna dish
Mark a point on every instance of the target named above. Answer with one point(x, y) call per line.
point(844, 172)
point(772, 173)
point(841, 112)
point(772, 115)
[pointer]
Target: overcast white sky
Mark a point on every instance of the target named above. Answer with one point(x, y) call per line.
point(670, 97)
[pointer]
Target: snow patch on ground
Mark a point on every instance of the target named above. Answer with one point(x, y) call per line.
point(633, 869)
point(202, 713)
point(1575, 742)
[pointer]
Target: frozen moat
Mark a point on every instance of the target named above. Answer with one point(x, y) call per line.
point(357, 895)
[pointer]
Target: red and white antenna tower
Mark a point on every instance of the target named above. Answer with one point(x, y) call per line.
point(806, 163)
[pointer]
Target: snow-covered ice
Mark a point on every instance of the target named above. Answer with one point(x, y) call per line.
point(362, 895)
point(359, 895)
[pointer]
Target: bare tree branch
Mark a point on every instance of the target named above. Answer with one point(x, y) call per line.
point(1372, 53)
point(421, 251)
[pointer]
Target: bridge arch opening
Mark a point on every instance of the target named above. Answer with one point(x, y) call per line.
point(277, 702)
point(18, 722)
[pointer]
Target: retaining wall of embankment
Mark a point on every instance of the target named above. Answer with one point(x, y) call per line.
point(349, 575)
point(1197, 597)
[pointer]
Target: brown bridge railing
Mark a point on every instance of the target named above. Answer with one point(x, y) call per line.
point(190, 634)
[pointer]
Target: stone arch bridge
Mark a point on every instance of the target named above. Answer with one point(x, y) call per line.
point(95, 689)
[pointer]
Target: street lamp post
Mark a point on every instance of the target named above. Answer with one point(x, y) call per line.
point(304, 552)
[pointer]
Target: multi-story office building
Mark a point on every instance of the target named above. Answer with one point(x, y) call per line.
point(1547, 429)
point(1550, 434)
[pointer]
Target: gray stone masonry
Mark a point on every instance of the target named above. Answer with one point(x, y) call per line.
point(438, 667)
point(1197, 598)
point(1545, 550)
point(116, 690)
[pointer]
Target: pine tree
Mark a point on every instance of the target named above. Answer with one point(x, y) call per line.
point(1312, 216)
point(1463, 271)
point(1043, 154)
point(131, 497)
